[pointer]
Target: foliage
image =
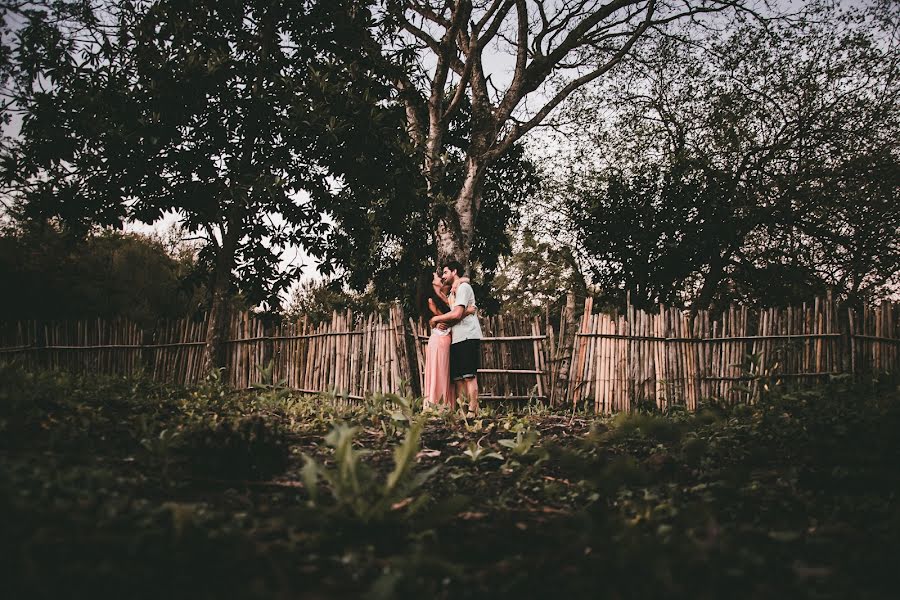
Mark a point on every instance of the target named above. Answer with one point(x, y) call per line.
point(537, 276)
point(758, 164)
point(793, 496)
point(475, 454)
point(284, 123)
point(269, 391)
point(58, 275)
point(161, 448)
point(353, 485)
point(316, 301)
point(380, 249)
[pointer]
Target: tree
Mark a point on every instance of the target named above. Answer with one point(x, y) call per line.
point(386, 244)
point(537, 276)
point(649, 233)
point(53, 274)
point(316, 301)
point(758, 165)
point(219, 111)
point(556, 47)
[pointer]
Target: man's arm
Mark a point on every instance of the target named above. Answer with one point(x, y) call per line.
point(464, 298)
point(455, 314)
point(446, 322)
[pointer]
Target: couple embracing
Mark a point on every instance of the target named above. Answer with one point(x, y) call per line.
point(453, 354)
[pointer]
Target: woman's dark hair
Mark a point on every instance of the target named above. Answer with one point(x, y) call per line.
point(426, 292)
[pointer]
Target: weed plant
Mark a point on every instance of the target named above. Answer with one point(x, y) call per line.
point(357, 489)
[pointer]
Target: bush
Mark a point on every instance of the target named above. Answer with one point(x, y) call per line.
point(247, 447)
point(653, 427)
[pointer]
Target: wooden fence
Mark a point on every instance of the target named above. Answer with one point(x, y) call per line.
point(673, 358)
point(608, 361)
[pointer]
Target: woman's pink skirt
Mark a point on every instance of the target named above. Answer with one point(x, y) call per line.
point(438, 392)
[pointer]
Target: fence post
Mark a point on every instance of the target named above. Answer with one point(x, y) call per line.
point(40, 344)
point(147, 337)
point(576, 378)
point(268, 353)
point(407, 344)
point(565, 346)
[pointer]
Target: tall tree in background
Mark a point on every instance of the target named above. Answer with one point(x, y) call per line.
point(383, 246)
point(57, 275)
point(556, 48)
point(761, 166)
point(221, 112)
point(537, 277)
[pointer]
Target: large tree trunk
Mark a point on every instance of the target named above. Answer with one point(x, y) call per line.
point(710, 284)
point(217, 321)
point(456, 228)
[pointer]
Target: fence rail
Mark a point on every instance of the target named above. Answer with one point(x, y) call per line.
point(607, 361)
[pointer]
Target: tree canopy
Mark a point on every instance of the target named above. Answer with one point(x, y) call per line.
point(760, 164)
point(252, 120)
point(735, 156)
point(53, 274)
point(554, 49)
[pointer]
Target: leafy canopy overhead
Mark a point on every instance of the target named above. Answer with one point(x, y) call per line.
point(759, 164)
point(251, 120)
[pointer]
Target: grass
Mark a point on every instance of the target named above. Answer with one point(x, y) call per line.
point(128, 488)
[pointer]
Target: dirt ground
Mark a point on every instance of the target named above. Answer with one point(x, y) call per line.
point(124, 488)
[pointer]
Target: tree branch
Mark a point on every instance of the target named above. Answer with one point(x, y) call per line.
point(418, 33)
point(409, 96)
point(519, 130)
point(426, 12)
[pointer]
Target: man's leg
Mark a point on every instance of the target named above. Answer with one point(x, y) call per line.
point(458, 388)
point(461, 392)
point(467, 357)
point(472, 392)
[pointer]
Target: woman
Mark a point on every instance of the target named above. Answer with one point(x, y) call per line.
point(433, 300)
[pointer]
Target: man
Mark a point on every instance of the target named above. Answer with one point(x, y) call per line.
point(465, 348)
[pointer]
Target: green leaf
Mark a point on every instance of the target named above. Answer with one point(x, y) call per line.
point(784, 536)
point(310, 475)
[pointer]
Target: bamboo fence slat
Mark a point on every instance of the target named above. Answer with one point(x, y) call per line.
point(608, 361)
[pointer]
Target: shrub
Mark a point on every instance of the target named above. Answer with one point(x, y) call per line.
point(247, 447)
point(652, 427)
point(357, 489)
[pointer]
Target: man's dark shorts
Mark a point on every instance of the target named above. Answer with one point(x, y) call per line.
point(465, 359)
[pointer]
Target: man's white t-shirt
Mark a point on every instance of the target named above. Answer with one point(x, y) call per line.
point(468, 328)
